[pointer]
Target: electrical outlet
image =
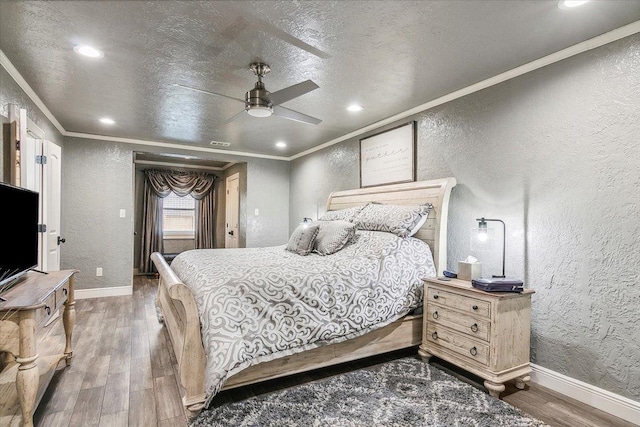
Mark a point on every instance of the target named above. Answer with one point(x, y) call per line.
point(99, 271)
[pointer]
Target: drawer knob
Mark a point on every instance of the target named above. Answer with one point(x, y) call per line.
point(435, 314)
point(473, 351)
point(65, 291)
point(434, 335)
point(475, 307)
point(474, 327)
point(435, 297)
point(48, 310)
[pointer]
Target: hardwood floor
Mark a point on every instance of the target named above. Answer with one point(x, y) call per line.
point(123, 373)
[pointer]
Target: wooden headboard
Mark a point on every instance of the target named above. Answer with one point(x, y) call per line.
point(436, 192)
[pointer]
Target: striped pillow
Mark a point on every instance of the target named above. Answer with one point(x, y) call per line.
point(302, 239)
point(333, 236)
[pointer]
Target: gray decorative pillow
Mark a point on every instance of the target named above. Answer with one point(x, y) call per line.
point(333, 236)
point(396, 219)
point(302, 239)
point(348, 214)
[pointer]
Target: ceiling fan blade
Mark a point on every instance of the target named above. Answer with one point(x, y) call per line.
point(294, 115)
point(291, 92)
point(229, 120)
point(208, 92)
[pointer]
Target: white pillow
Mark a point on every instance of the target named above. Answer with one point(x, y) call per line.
point(419, 225)
point(348, 214)
point(400, 220)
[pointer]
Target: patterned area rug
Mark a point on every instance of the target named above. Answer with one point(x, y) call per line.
point(403, 392)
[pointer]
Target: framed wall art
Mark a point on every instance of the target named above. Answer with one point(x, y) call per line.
point(388, 157)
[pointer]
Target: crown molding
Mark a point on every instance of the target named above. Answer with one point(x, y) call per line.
point(171, 145)
point(17, 77)
point(560, 55)
point(576, 49)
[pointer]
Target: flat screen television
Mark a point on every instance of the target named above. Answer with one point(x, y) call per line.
point(19, 247)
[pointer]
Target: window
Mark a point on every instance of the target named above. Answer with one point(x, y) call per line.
point(178, 217)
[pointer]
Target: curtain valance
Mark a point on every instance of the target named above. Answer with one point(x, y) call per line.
point(163, 182)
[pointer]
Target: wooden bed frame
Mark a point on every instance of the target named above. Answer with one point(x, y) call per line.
point(180, 314)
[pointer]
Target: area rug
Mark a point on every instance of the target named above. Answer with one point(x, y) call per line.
point(403, 392)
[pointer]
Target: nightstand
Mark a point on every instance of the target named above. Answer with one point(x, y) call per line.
point(487, 334)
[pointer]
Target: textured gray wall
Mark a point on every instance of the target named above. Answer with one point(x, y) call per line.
point(268, 191)
point(98, 181)
point(556, 155)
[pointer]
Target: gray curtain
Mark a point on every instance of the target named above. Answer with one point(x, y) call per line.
point(206, 221)
point(159, 184)
point(151, 227)
point(164, 182)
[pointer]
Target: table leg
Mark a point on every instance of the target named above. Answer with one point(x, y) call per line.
point(522, 381)
point(424, 354)
point(28, 374)
point(494, 388)
point(69, 320)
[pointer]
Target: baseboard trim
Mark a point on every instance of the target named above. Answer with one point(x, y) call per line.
point(115, 291)
point(614, 404)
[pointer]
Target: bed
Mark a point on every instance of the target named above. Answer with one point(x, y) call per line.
point(179, 305)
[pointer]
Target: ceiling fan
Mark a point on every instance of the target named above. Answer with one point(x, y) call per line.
point(259, 102)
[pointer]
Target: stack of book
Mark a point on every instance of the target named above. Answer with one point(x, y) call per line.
point(498, 284)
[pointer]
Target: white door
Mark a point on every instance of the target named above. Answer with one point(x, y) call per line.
point(30, 149)
point(31, 175)
point(232, 211)
point(50, 197)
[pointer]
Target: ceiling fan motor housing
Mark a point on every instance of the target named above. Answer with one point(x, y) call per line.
point(258, 99)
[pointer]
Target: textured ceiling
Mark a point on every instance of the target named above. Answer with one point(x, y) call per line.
point(387, 56)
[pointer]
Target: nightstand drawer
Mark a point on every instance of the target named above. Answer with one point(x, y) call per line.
point(458, 343)
point(467, 324)
point(459, 302)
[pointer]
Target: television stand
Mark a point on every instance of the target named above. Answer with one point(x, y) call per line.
point(31, 303)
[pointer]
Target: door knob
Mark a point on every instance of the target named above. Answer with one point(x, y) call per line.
point(61, 240)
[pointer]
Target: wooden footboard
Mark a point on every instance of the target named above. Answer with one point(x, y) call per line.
point(180, 315)
point(181, 318)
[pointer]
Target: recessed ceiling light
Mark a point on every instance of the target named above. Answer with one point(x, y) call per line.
point(354, 108)
point(281, 144)
point(107, 121)
point(220, 144)
point(89, 51)
point(179, 156)
point(570, 4)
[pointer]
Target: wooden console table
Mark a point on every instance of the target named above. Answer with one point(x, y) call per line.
point(30, 304)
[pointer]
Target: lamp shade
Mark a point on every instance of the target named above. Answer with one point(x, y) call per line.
point(482, 239)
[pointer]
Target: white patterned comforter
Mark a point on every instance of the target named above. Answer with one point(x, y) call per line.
point(261, 304)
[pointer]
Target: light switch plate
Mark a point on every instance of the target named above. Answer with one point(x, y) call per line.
point(257, 212)
point(122, 213)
